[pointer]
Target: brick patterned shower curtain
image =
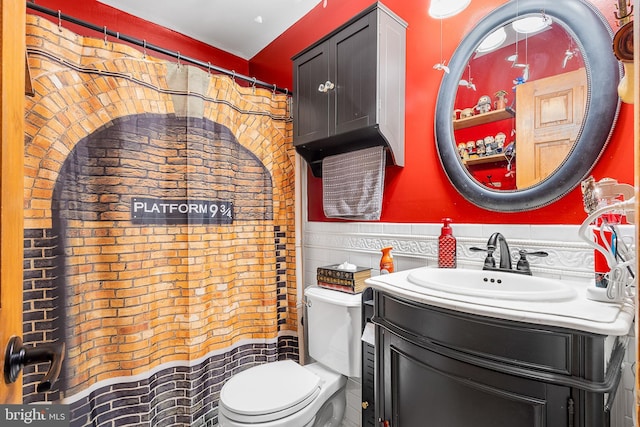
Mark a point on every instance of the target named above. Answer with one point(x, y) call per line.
point(159, 230)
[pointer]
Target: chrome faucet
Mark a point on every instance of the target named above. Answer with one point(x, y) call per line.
point(505, 255)
point(497, 240)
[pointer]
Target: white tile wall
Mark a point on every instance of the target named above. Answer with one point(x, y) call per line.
point(415, 245)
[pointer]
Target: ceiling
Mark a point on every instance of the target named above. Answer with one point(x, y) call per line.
point(240, 27)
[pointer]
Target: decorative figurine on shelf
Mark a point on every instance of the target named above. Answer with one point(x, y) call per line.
point(462, 151)
point(484, 104)
point(510, 151)
point(501, 100)
point(500, 139)
point(510, 154)
point(471, 149)
point(480, 149)
point(466, 113)
point(489, 145)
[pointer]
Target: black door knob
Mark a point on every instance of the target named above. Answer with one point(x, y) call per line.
point(17, 356)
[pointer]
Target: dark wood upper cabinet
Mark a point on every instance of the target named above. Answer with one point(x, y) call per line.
point(349, 89)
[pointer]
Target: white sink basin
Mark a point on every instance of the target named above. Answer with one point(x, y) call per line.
point(492, 284)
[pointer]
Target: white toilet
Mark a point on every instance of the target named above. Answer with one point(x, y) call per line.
point(286, 394)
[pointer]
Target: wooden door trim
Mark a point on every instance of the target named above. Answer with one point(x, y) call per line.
point(12, 105)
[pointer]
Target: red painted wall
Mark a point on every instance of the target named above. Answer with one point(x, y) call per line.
point(421, 192)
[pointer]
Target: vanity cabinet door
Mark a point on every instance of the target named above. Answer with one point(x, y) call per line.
point(436, 367)
point(367, 377)
point(422, 388)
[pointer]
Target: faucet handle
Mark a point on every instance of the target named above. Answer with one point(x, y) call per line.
point(489, 261)
point(523, 262)
point(536, 253)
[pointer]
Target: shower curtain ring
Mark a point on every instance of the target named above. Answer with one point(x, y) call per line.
point(59, 20)
point(144, 49)
point(209, 68)
point(233, 76)
point(274, 90)
point(253, 85)
point(105, 35)
point(178, 55)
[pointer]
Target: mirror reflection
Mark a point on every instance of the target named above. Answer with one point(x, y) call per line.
point(520, 103)
point(562, 159)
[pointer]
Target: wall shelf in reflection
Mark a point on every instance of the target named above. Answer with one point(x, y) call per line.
point(485, 159)
point(480, 119)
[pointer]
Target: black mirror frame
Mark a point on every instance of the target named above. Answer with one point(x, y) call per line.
point(593, 37)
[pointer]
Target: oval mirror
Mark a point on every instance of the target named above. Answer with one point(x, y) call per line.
point(528, 105)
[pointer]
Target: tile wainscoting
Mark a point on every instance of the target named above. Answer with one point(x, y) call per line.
point(416, 245)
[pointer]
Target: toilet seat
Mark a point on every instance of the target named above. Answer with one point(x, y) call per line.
point(268, 392)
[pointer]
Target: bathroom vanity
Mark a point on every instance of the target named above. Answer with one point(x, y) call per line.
point(446, 362)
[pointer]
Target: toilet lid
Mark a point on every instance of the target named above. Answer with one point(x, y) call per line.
point(269, 391)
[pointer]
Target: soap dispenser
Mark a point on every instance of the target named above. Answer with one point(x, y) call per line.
point(447, 246)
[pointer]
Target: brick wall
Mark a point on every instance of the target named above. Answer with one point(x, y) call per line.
point(130, 299)
point(175, 395)
point(41, 312)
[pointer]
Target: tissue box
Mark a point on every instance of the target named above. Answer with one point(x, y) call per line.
point(349, 281)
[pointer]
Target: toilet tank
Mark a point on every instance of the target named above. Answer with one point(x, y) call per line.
point(334, 329)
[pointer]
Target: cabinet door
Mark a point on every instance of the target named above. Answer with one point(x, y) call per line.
point(422, 388)
point(368, 388)
point(353, 70)
point(311, 109)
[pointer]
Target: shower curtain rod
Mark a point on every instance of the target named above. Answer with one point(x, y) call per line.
point(145, 45)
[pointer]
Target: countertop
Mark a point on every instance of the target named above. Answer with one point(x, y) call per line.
point(579, 313)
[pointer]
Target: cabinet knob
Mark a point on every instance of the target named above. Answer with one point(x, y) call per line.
point(365, 404)
point(325, 87)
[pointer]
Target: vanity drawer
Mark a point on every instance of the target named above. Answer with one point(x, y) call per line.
point(518, 344)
